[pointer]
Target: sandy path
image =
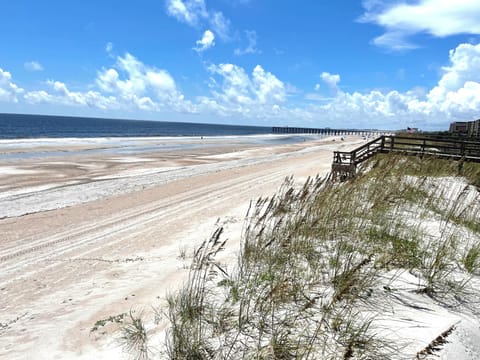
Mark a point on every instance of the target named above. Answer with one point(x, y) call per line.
point(64, 269)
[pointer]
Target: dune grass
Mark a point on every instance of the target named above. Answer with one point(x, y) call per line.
point(312, 257)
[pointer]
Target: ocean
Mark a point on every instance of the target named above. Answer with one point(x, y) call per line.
point(18, 126)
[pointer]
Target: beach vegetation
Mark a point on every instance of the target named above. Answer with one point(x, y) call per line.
point(315, 259)
point(118, 319)
point(471, 258)
point(134, 337)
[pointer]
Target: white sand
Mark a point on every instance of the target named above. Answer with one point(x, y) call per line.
point(94, 237)
point(12, 170)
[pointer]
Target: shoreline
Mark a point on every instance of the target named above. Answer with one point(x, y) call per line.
point(40, 148)
point(44, 184)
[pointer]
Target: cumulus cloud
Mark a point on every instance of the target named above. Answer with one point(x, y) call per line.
point(268, 88)
point(33, 66)
point(251, 47)
point(331, 80)
point(236, 93)
point(39, 97)
point(8, 89)
point(457, 91)
point(206, 42)
point(129, 84)
point(146, 87)
point(195, 13)
point(438, 18)
point(455, 97)
point(238, 88)
point(61, 95)
point(464, 66)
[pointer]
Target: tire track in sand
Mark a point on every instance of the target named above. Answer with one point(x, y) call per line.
point(108, 231)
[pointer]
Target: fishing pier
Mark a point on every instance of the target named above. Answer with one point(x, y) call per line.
point(327, 131)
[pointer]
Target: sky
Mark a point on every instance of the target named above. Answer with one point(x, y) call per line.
point(316, 63)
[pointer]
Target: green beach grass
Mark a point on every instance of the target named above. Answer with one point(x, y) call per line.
point(319, 264)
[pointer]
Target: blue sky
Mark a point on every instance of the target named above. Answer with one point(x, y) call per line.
point(343, 63)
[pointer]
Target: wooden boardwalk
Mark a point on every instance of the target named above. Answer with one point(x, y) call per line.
point(345, 163)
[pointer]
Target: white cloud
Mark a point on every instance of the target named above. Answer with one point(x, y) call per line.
point(317, 97)
point(455, 97)
point(63, 96)
point(220, 24)
point(108, 80)
point(131, 85)
point(33, 66)
point(206, 42)
point(251, 48)
point(438, 18)
point(189, 11)
point(268, 88)
point(109, 48)
point(331, 80)
point(260, 95)
point(465, 66)
point(128, 85)
point(457, 91)
point(89, 98)
point(177, 9)
point(8, 89)
point(195, 13)
point(394, 40)
point(141, 85)
point(236, 84)
point(292, 89)
point(39, 97)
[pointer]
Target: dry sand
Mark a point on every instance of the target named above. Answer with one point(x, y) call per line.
point(91, 236)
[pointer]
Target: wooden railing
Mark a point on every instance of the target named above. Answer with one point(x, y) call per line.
point(455, 149)
point(361, 153)
point(345, 162)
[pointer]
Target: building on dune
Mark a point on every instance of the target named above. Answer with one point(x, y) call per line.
point(466, 128)
point(473, 128)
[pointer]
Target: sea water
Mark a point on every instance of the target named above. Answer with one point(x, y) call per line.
point(34, 136)
point(17, 126)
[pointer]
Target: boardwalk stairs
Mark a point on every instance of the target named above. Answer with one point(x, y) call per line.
point(345, 163)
